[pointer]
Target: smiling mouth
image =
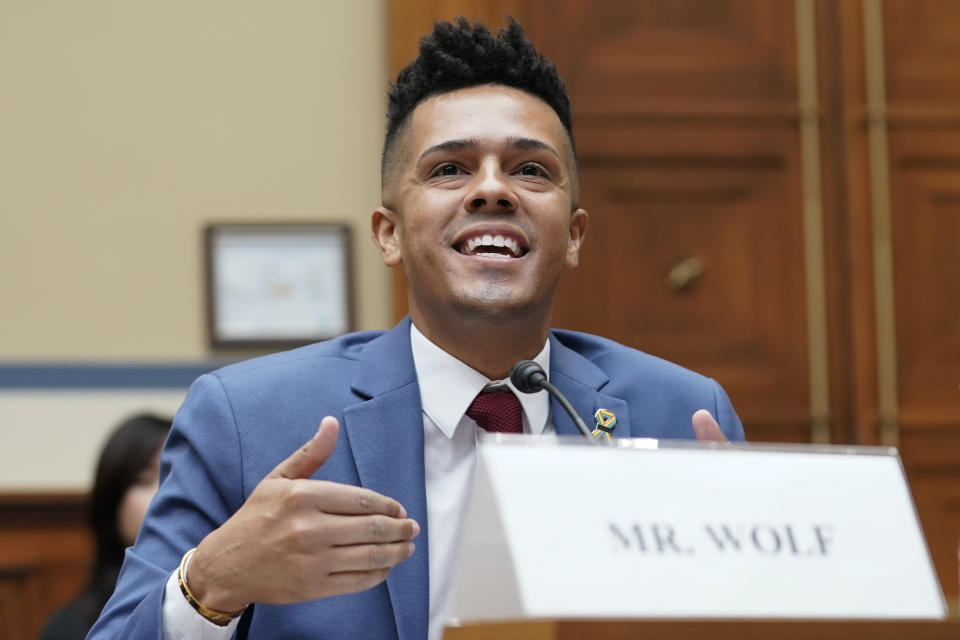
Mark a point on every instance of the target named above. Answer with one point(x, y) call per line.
point(492, 246)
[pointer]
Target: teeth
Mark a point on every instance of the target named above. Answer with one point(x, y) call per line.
point(488, 240)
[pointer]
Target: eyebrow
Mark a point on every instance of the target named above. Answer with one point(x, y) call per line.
point(472, 144)
point(526, 144)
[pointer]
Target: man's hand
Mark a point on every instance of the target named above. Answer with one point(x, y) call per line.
point(706, 428)
point(297, 539)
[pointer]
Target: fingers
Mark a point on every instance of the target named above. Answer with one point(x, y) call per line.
point(706, 428)
point(364, 566)
point(353, 581)
point(351, 530)
point(308, 458)
point(349, 500)
point(369, 557)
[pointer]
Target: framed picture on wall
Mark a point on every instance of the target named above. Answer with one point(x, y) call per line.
point(277, 285)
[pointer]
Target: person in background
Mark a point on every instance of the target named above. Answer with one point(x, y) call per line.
point(125, 482)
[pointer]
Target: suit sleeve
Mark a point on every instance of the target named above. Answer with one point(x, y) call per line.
point(726, 417)
point(201, 485)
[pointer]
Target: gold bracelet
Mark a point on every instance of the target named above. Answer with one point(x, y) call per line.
point(216, 617)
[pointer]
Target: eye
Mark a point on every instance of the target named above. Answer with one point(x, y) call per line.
point(447, 169)
point(533, 170)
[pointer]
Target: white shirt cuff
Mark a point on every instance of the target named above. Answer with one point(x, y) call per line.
point(183, 622)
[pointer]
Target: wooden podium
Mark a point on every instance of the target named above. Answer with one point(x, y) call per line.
point(708, 630)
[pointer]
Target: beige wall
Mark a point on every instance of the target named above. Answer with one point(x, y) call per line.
point(126, 126)
point(50, 440)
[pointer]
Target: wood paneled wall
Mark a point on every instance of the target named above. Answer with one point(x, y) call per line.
point(922, 47)
point(688, 120)
point(45, 553)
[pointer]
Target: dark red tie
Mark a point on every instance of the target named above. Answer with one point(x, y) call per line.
point(497, 412)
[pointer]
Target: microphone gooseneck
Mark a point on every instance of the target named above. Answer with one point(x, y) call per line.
point(529, 377)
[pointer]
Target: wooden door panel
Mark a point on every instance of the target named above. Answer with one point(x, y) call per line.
point(621, 57)
point(686, 121)
point(936, 491)
point(921, 47)
point(687, 131)
point(726, 198)
point(926, 244)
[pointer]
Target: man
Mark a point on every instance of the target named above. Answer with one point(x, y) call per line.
point(293, 540)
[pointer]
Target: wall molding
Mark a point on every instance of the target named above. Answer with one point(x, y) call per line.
point(31, 509)
point(67, 375)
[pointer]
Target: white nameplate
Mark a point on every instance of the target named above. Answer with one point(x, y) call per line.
point(578, 531)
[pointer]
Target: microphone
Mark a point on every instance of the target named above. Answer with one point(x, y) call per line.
point(529, 377)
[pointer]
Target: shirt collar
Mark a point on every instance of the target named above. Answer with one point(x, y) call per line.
point(448, 386)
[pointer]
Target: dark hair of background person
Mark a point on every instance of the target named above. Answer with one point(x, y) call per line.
point(457, 55)
point(126, 454)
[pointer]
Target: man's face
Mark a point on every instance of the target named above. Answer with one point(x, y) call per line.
point(479, 209)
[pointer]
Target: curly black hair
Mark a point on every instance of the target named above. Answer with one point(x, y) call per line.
point(457, 55)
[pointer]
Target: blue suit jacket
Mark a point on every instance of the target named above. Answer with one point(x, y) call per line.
point(239, 422)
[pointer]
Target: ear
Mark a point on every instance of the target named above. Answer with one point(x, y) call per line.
point(385, 228)
point(578, 231)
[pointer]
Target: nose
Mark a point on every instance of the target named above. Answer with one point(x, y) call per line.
point(491, 191)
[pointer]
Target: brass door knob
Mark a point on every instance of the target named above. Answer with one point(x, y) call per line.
point(684, 273)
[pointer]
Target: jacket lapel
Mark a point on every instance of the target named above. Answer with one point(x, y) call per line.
point(386, 438)
point(581, 381)
point(385, 433)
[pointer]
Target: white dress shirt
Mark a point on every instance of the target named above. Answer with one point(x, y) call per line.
point(447, 387)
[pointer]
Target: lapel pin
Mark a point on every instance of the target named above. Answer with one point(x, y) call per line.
point(605, 421)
